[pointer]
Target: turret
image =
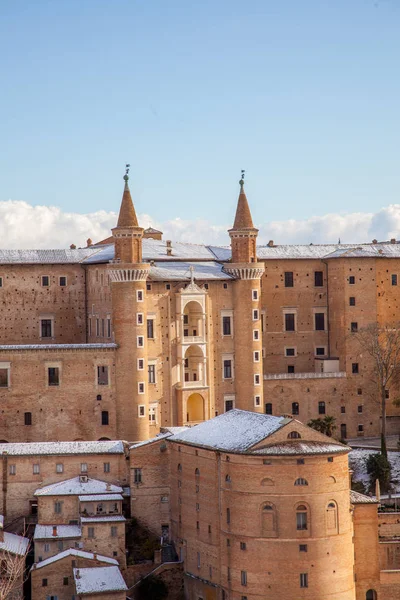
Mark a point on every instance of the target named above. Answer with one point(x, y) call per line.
point(243, 233)
point(127, 234)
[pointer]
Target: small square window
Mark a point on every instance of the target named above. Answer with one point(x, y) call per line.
point(320, 351)
point(290, 352)
point(352, 280)
point(44, 582)
point(343, 410)
point(290, 369)
point(225, 286)
point(352, 301)
point(303, 548)
point(63, 281)
point(45, 280)
point(300, 461)
point(330, 458)
point(148, 287)
point(65, 581)
point(167, 286)
point(243, 545)
point(359, 391)
point(59, 468)
point(206, 286)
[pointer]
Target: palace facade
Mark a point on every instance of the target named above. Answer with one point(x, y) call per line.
point(134, 333)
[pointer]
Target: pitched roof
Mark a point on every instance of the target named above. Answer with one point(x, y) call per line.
point(44, 532)
point(127, 215)
point(15, 544)
point(234, 431)
point(243, 218)
point(357, 498)
point(78, 554)
point(61, 448)
point(98, 580)
point(77, 487)
point(295, 447)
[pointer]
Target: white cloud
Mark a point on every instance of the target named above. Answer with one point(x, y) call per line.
point(26, 226)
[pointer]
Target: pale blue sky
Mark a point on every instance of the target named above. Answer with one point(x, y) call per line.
point(303, 94)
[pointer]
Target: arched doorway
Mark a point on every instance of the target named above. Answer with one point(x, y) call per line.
point(195, 407)
point(371, 595)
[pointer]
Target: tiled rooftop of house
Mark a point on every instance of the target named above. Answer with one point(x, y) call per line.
point(57, 532)
point(98, 580)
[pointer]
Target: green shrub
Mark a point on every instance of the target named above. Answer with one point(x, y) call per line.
point(378, 467)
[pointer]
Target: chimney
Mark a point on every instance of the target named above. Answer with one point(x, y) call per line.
point(169, 248)
point(270, 244)
point(169, 245)
point(72, 247)
point(393, 241)
point(89, 242)
point(77, 574)
point(108, 487)
point(54, 530)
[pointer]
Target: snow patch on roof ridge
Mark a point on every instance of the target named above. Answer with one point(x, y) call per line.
point(77, 486)
point(74, 552)
point(62, 448)
point(15, 544)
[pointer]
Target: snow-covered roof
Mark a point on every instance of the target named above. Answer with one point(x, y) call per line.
point(56, 347)
point(173, 430)
point(99, 580)
point(293, 447)
point(77, 487)
point(61, 448)
point(179, 271)
point(78, 554)
point(44, 532)
point(104, 519)
point(234, 431)
point(324, 251)
point(40, 257)
point(100, 497)
point(357, 498)
point(157, 438)
point(15, 544)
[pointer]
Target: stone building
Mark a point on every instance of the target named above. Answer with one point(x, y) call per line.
point(134, 332)
point(260, 507)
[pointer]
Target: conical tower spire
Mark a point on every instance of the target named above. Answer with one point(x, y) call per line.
point(127, 214)
point(243, 218)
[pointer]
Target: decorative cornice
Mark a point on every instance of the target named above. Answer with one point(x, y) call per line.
point(245, 270)
point(126, 274)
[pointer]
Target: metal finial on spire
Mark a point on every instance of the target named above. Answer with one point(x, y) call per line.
point(242, 178)
point(126, 176)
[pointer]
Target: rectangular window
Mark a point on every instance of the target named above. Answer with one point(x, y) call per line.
point(256, 380)
point(108, 327)
point(90, 532)
point(352, 301)
point(13, 469)
point(319, 321)
point(343, 410)
point(318, 278)
point(98, 327)
point(104, 417)
point(256, 356)
point(257, 400)
point(139, 295)
point(304, 580)
point(53, 376)
point(1, 282)
point(360, 408)
point(59, 468)
point(102, 375)
point(4, 380)
point(268, 408)
point(243, 545)
point(352, 280)
point(152, 373)
point(45, 281)
point(141, 410)
point(152, 416)
point(226, 326)
point(394, 279)
point(140, 341)
point(227, 369)
point(28, 418)
point(360, 428)
point(141, 387)
point(290, 351)
point(288, 278)
point(256, 334)
point(320, 351)
point(65, 581)
point(44, 582)
point(229, 404)
point(140, 364)
point(289, 321)
point(254, 294)
point(139, 318)
point(243, 577)
point(255, 314)
point(36, 469)
point(150, 329)
point(84, 468)
point(114, 531)
point(321, 408)
point(90, 326)
point(57, 507)
point(354, 327)
point(301, 521)
point(148, 287)
point(228, 515)
point(137, 475)
point(106, 467)
point(354, 368)
point(63, 281)
point(290, 369)
point(46, 329)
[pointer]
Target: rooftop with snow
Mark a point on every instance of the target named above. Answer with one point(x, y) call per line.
point(78, 486)
point(98, 580)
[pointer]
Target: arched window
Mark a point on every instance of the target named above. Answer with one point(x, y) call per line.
point(371, 595)
point(228, 479)
point(179, 468)
point(302, 518)
point(197, 472)
point(301, 481)
point(98, 397)
point(268, 520)
point(267, 481)
point(294, 435)
point(295, 408)
point(332, 517)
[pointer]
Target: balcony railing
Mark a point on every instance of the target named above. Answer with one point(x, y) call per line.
point(193, 339)
point(312, 375)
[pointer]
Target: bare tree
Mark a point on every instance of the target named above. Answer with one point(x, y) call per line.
point(382, 343)
point(12, 573)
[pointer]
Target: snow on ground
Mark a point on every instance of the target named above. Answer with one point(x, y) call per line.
point(357, 463)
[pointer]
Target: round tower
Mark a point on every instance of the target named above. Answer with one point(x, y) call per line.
point(128, 276)
point(247, 308)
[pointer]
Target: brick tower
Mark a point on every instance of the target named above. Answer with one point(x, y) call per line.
point(128, 276)
point(247, 307)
